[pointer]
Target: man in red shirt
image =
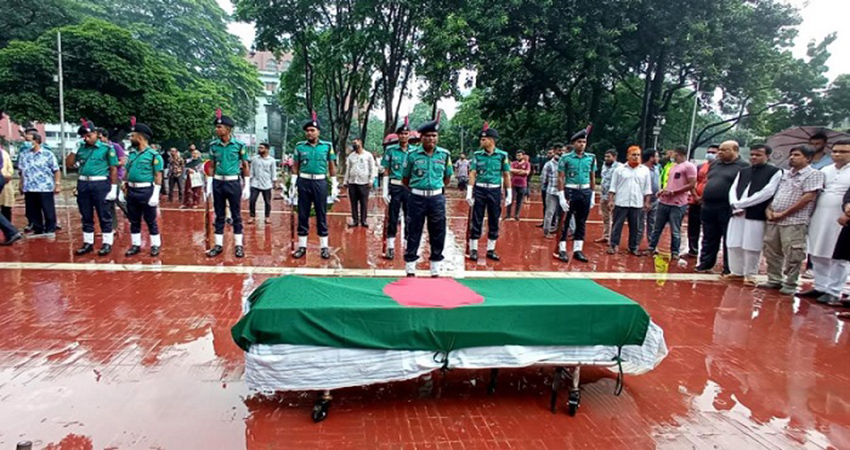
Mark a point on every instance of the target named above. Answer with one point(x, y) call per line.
point(520, 169)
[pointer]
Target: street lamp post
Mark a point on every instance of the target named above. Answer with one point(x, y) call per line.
point(61, 105)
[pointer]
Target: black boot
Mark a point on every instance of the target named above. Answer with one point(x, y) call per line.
point(325, 253)
point(473, 255)
point(562, 255)
point(105, 249)
point(580, 256)
point(300, 252)
point(154, 251)
point(240, 251)
point(215, 251)
point(133, 250)
point(86, 248)
point(491, 254)
point(390, 253)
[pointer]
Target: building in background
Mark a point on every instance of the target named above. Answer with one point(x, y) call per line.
point(267, 125)
point(11, 137)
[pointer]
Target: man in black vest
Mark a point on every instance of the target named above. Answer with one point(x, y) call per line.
point(751, 193)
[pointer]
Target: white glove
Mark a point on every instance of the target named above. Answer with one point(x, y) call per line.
point(154, 200)
point(113, 193)
point(385, 190)
point(509, 197)
point(469, 199)
point(293, 200)
point(293, 186)
point(246, 189)
point(121, 196)
point(592, 199)
point(208, 192)
point(563, 201)
point(334, 191)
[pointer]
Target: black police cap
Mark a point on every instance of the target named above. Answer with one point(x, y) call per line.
point(86, 127)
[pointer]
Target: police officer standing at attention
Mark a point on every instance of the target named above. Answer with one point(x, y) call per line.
point(228, 156)
point(489, 171)
point(97, 184)
point(576, 182)
point(427, 170)
point(144, 181)
point(313, 161)
point(395, 195)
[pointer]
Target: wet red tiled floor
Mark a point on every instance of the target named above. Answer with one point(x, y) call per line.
point(128, 359)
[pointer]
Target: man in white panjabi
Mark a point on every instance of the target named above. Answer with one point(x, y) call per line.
point(830, 274)
point(751, 194)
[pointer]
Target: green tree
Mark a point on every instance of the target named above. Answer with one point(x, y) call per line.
point(25, 20)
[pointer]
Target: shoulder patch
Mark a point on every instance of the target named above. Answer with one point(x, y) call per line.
point(156, 160)
point(112, 153)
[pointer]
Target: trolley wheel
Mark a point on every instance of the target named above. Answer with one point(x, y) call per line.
point(573, 403)
point(320, 410)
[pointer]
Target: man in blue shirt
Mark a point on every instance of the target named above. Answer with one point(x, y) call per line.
point(39, 182)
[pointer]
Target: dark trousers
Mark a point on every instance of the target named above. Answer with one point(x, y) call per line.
point(312, 193)
point(138, 208)
point(434, 210)
point(398, 204)
point(6, 211)
point(175, 181)
point(358, 194)
point(461, 183)
point(6, 226)
point(715, 221)
point(635, 217)
point(694, 227)
point(489, 200)
point(41, 211)
point(224, 193)
point(519, 195)
point(252, 203)
point(91, 199)
point(579, 200)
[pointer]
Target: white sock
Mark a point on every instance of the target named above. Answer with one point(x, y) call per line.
point(390, 243)
point(302, 241)
point(107, 238)
point(562, 246)
point(219, 240)
point(136, 239)
point(323, 241)
point(435, 267)
point(88, 238)
point(473, 244)
point(491, 245)
point(410, 267)
point(578, 245)
point(237, 239)
point(156, 240)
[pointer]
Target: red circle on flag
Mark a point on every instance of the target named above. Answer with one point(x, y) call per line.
point(431, 293)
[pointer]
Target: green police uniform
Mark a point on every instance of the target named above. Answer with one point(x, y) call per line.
point(142, 166)
point(577, 169)
point(489, 167)
point(228, 158)
point(426, 172)
point(313, 159)
point(95, 160)
point(393, 160)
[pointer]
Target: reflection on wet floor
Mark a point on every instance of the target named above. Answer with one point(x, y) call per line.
point(100, 359)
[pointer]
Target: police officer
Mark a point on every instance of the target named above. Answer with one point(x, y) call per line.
point(576, 182)
point(144, 181)
point(228, 156)
point(313, 161)
point(489, 171)
point(425, 172)
point(394, 193)
point(96, 186)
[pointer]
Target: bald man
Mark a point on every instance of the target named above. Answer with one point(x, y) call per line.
point(716, 210)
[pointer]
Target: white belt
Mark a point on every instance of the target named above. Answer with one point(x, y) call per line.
point(396, 182)
point(310, 176)
point(488, 185)
point(85, 178)
point(577, 186)
point(426, 193)
point(226, 177)
point(139, 185)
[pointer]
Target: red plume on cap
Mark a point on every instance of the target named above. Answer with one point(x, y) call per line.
point(218, 113)
point(486, 126)
point(406, 121)
point(588, 129)
point(132, 121)
point(83, 121)
point(313, 115)
point(439, 113)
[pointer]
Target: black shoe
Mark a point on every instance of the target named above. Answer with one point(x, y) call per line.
point(352, 225)
point(105, 249)
point(364, 224)
point(325, 253)
point(812, 293)
point(562, 255)
point(154, 251)
point(58, 227)
point(580, 256)
point(133, 250)
point(411, 275)
point(15, 238)
point(86, 248)
point(473, 255)
point(491, 254)
point(300, 252)
point(239, 251)
point(28, 228)
point(215, 251)
point(390, 253)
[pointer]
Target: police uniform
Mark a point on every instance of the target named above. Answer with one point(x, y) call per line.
point(95, 189)
point(143, 192)
point(486, 194)
point(578, 171)
point(310, 189)
point(393, 163)
point(227, 190)
point(426, 178)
